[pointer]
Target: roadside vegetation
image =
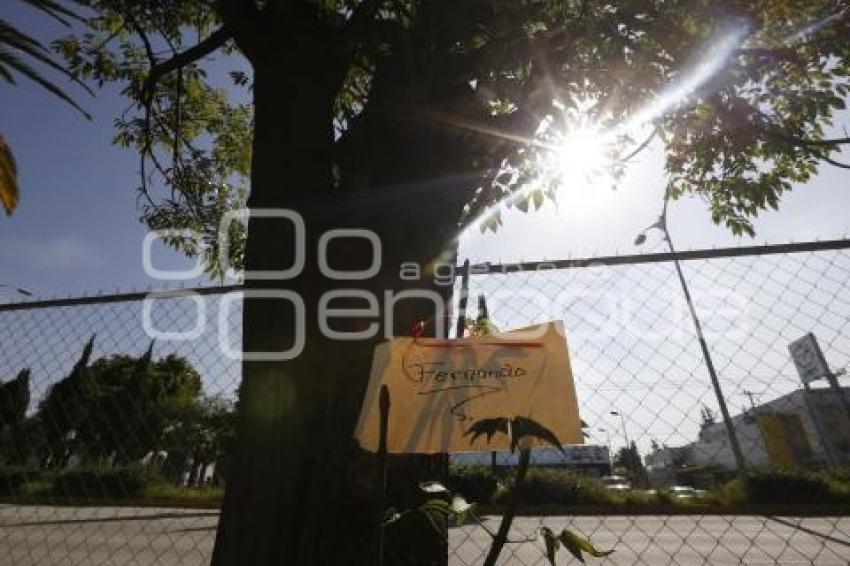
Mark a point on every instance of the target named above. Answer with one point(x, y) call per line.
point(133, 485)
point(544, 487)
point(121, 428)
point(561, 488)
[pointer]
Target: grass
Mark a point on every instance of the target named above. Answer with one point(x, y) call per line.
point(158, 494)
point(130, 485)
point(168, 491)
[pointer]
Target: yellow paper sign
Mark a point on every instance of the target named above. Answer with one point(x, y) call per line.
point(440, 388)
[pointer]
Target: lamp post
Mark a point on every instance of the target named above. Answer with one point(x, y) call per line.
point(661, 224)
point(623, 424)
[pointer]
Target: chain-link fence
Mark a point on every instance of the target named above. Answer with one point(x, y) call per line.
point(84, 432)
point(646, 396)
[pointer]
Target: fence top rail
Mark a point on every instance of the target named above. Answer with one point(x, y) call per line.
point(488, 268)
point(119, 297)
point(475, 269)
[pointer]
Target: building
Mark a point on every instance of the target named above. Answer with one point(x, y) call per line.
point(662, 464)
point(583, 459)
point(798, 429)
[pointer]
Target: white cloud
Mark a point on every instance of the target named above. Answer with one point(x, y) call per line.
point(61, 252)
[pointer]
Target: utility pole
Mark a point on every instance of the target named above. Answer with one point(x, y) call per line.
point(623, 424)
point(661, 224)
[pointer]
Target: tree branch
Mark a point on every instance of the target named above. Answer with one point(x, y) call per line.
point(144, 37)
point(820, 149)
point(774, 54)
point(195, 53)
point(241, 18)
point(641, 147)
point(501, 537)
point(830, 142)
point(835, 163)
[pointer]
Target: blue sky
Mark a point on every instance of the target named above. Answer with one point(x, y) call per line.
point(77, 227)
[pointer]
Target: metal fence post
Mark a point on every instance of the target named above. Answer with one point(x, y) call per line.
point(384, 407)
point(661, 224)
point(463, 298)
point(709, 364)
point(829, 451)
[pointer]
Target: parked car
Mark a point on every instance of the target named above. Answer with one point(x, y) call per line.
point(683, 492)
point(616, 483)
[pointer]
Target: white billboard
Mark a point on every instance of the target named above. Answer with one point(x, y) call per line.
point(808, 358)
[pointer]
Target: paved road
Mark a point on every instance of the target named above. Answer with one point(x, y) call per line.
point(67, 536)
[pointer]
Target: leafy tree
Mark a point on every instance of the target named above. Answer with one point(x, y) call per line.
point(14, 399)
point(135, 401)
point(18, 51)
point(407, 118)
point(203, 432)
point(482, 325)
point(65, 407)
point(629, 459)
point(24, 440)
point(116, 407)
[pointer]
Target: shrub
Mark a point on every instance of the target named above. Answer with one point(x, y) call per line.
point(786, 486)
point(94, 483)
point(555, 486)
point(663, 497)
point(733, 492)
point(637, 498)
point(13, 479)
point(475, 483)
point(840, 491)
point(841, 474)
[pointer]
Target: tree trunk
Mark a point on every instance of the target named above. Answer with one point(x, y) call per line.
point(300, 491)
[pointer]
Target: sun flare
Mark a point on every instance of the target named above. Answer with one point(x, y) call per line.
point(577, 156)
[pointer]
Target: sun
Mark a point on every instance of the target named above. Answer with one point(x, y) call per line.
point(577, 156)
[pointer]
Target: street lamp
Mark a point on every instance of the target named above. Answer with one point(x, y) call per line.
point(623, 424)
point(661, 224)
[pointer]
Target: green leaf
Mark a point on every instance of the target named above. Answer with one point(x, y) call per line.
point(522, 205)
point(569, 542)
point(537, 197)
point(576, 544)
point(461, 510)
point(55, 10)
point(552, 544)
point(437, 512)
point(8, 178)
